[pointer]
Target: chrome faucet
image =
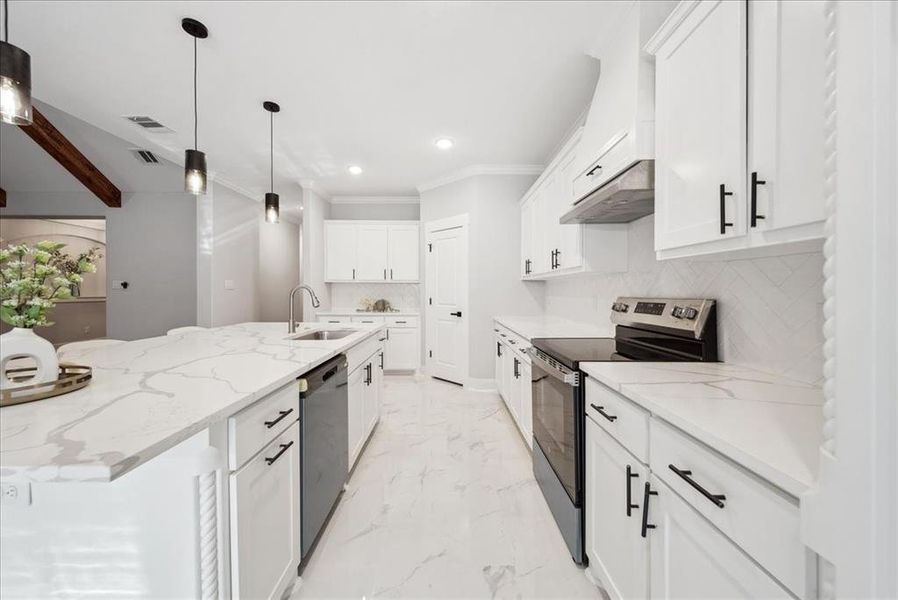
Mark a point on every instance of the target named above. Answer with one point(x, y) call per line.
point(291, 326)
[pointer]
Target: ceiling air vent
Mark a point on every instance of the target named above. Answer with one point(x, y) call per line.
point(145, 156)
point(149, 123)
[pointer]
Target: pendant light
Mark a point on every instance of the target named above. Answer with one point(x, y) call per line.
point(272, 201)
point(194, 160)
point(15, 79)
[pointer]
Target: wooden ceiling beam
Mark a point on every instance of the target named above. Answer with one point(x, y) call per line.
point(66, 154)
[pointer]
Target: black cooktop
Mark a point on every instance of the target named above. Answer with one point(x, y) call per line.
point(572, 351)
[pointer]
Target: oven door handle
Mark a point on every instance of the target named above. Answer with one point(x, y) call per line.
point(563, 374)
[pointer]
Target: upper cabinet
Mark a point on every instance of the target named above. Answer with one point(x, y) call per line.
point(550, 249)
point(619, 128)
point(739, 126)
point(371, 251)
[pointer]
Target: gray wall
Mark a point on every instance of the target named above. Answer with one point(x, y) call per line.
point(278, 267)
point(376, 212)
point(494, 238)
point(150, 243)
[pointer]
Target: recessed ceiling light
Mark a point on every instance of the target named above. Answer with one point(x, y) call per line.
point(354, 170)
point(444, 143)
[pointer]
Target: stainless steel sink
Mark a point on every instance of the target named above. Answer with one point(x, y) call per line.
point(333, 334)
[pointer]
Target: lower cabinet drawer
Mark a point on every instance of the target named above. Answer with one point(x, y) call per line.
point(259, 423)
point(402, 321)
point(626, 422)
point(334, 319)
point(265, 520)
point(366, 319)
point(761, 520)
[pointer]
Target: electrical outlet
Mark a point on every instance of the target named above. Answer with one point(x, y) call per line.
point(229, 284)
point(15, 494)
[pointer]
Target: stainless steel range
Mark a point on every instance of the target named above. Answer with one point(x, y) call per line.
point(647, 329)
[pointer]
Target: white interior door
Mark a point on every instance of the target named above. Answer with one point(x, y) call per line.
point(447, 299)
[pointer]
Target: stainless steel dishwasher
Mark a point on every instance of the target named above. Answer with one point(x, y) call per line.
point(323, 418)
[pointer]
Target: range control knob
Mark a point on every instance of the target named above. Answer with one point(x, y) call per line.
point(678, 312)
point(690, 313)
point(620, 307)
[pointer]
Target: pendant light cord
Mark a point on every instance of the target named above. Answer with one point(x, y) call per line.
point(272, 151)
point(195, 112)
point(6, 21)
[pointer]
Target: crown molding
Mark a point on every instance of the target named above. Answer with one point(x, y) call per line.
point(375, 200)
point(477, 170)
point(670, 25)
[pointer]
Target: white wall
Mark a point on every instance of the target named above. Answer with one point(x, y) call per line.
point(278, 267)
point(770, 310)
point(150, 243)
point(494, 238)
point(315, 210)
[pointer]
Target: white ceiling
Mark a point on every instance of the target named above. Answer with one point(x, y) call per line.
point(367, 83)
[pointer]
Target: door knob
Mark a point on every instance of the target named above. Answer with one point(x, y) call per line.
point(456, 314)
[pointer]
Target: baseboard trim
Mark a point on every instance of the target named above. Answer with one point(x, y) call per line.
point(480, 385)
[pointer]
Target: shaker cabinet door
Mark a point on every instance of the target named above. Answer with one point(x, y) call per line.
point(404, 250)
point(700, 128)
point(340, 252)
point(265, 514)
point(371, 262)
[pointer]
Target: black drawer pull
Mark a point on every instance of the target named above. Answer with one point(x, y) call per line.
point(601, 411)
point(645, 508)
point(723, 209)
point(281, 415)
point(284, 448)
point(456, 314)
point(517, 373)
point(593, 170)
point(716, 499)
point(397, 322)
point(630, 505)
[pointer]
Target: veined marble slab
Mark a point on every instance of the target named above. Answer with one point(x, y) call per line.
point(768, 424)
point(148, 395)
point(547, 326)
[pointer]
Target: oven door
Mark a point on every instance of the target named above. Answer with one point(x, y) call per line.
point(558, 421)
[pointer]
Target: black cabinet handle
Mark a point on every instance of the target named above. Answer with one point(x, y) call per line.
point(385, 274)
point(456, 314)
point(716, 499)
point(723, 209)
point(557, 258)
point(381, 361)
point(527, 267)
point(593, 170)
point(755, 182)
point(601, 411)
point(284, 448)
point(630, 505)
point(353, 273)
point(398, 322)
point(498, 349)
point(517, 373)
point(391, 273)
point(368, 374)
point(281, 415)
point(645, 508)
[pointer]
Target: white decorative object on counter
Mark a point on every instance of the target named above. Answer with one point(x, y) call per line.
point(23, 343)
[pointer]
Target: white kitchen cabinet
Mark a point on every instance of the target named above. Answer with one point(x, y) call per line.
point(700, 118)
point(265, 519)
point(550, 249)
point(525, 389)
point(402, 350)
point(356, 413)
point(691, 559)
point(371, 251)
point(340, 245)
point(615, 479)
point(371, 262)
point(739, 127)
point(404, 253)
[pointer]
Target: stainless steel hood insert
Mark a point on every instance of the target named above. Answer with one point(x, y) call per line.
point(627, 197)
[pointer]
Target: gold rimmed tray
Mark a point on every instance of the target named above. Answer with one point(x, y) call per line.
point(71, 378)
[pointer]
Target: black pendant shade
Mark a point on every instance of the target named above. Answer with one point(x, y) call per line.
point(15, 79)
point(272, 200)
point(194, 160)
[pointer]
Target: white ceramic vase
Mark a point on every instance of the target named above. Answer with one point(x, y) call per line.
point(24, 343)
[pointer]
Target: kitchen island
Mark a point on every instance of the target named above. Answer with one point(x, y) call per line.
point(127, 487)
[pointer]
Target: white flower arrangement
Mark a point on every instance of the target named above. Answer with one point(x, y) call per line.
point(32, 278)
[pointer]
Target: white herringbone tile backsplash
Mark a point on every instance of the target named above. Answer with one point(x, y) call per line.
point(346, 296)
point(770, 310)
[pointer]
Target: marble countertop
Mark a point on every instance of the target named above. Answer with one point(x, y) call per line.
point(148, 395)
point(768, 424)
point(366, 313)
point(543, 326)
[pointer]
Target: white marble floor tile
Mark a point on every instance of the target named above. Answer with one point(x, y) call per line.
point(442, 504)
